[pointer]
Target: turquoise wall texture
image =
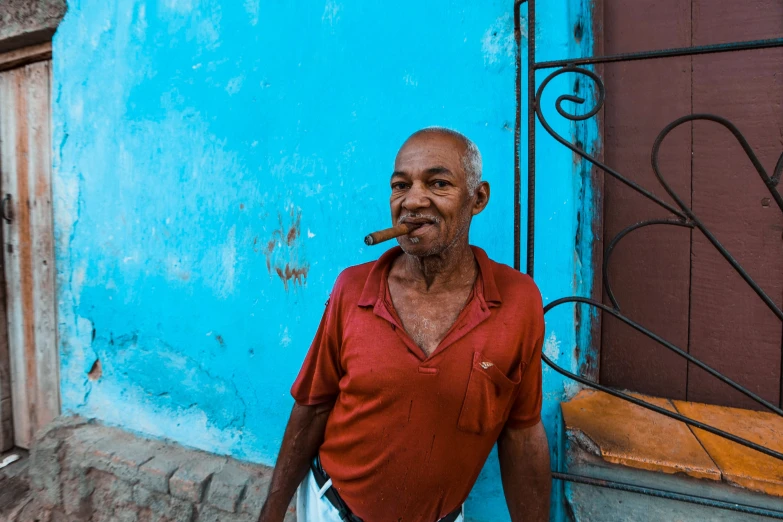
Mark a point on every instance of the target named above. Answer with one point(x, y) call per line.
point(217, 163)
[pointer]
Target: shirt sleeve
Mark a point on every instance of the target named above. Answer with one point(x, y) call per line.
point(319, 378)
point(526, 410)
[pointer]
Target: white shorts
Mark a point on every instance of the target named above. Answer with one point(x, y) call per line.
point(312, 506)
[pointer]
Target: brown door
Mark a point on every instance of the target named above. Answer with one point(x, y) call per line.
point(28, 362)
point(671, 279)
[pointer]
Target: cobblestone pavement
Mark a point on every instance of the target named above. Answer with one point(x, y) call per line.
point(15, 493)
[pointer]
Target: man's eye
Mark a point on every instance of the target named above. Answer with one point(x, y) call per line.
point(399, 186)
point(440, 184)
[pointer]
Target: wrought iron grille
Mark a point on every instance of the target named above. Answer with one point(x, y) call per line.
point(679, 215)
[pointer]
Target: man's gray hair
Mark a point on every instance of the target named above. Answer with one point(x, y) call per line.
point(471, 160)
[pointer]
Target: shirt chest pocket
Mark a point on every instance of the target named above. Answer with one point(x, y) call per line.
point(488, 397)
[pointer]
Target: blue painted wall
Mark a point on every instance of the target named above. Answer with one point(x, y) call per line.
point(217, 163)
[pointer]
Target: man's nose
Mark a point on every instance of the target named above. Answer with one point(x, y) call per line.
point(416, 197)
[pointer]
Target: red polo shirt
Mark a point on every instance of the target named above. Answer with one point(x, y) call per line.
point(409, 434)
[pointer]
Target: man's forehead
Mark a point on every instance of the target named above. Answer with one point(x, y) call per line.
point(433, 146)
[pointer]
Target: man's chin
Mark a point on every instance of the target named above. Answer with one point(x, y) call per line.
point(417, 248)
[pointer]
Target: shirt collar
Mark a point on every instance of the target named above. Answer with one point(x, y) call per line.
point(376, 279)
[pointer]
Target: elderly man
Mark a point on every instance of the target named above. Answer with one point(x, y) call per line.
point(423, 360)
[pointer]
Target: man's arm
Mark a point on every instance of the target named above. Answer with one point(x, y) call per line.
point(524, 469)
point(303, 436)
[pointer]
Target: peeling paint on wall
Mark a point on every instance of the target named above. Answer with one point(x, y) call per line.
point(283, 256)
point(253, 8)
point(331, 12)
point(498, 42)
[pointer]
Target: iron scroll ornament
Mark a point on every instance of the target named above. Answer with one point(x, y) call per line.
point(682, 217)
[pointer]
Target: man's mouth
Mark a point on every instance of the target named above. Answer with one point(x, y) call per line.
point(419, 220)
point(418, 226)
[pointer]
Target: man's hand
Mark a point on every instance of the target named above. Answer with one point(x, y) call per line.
point(303, 436)
point(524, 468)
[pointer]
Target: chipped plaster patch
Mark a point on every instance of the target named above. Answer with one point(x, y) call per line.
point(331, 12)
point(191, 424)
point(77, 282)
point(164, 378)
point(552, 347)
point(252, 7)
point(180, 6)
point(178, 267)
point(229, 263)
point(497, 43)
point(285, 339)
point(235, 85)
point(208, 31)
point(77, 358)
point(581, 439)
point(76, 110)
point(95, 41)
point(139, 22)
point(96, 371)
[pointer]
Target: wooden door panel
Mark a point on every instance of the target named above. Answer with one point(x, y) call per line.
point(731, 328)
point(13, 155)
point(649, 270)
point(645, 25)
point(671, 280)
point(25, 146)
point(724, 21)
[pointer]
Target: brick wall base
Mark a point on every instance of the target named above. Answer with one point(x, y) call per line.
point(83, 471)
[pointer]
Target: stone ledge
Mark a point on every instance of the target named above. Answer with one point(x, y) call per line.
point(84, 471)
point(741, 465)
point(611, 439)
point(623, 433)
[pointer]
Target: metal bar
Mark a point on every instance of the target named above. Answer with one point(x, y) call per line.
point(620, 235)
point(517, 141)
point(692, 216)
point(663, 53)
point(669, 495)
point(566, 143)
point(531, 136)
point(769, 181)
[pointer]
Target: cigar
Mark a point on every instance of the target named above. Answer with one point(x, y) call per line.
point(388, 233)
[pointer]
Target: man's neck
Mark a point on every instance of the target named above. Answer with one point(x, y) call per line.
point(455, 266)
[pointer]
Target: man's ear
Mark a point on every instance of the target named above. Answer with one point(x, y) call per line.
point(481, 198)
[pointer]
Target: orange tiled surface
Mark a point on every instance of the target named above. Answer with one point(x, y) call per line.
point(739, 464)
point(633, 436)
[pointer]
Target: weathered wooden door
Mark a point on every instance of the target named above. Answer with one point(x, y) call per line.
point(671, 279)
point(26, 208)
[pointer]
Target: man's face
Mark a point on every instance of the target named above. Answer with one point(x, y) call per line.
point(429, 187)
